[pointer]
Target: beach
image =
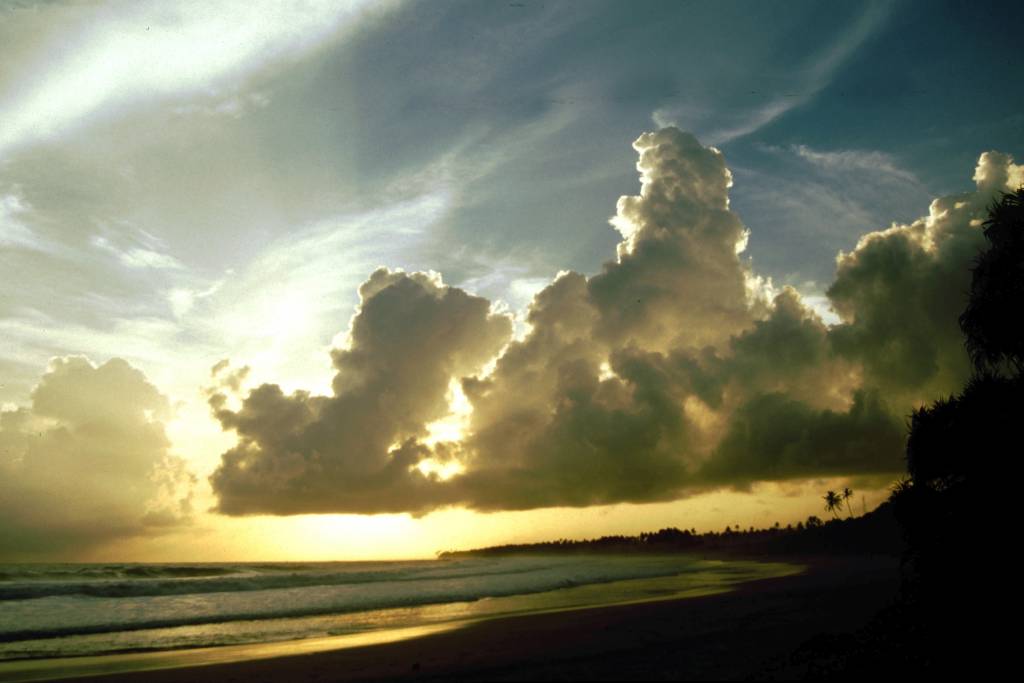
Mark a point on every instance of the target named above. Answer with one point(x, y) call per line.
point(749, 631)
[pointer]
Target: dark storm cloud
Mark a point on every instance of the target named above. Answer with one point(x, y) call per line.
point(772, 437)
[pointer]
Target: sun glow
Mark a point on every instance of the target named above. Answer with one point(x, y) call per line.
point(431, 467)
point(453, 426)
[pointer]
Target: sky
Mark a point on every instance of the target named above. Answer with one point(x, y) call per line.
point(371, 280)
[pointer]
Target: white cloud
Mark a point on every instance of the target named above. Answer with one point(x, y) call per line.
point(130, 52)
point(725, 124)
point(279, 311)
point(13, 231)
point(138, 257)
point(234, 106)
point(853, 160)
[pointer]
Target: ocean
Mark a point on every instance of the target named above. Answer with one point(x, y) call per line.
point(75, 610)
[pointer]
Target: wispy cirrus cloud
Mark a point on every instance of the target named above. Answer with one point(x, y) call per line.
point(143, 252)
point(13, 231)
point(721, 124)
point(851, 160)
point(173, 320)
point(127, 53)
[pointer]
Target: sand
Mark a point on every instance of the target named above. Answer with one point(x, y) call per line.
point(747, 632)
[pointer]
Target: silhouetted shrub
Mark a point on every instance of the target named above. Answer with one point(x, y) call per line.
point(962, 453)
point(993, 322)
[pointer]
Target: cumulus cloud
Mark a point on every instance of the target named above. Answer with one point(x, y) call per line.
point(774, 437)
point(675, 369)
point(88, 462)
point(900, 291)
point(678, 279)
point(353, 450)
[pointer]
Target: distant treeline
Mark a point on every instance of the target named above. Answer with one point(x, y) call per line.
point(874, 533)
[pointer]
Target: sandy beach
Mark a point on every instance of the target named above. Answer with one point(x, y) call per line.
point(750, 631)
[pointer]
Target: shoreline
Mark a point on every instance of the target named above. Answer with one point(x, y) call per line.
point(716, 632)
point(433, 618)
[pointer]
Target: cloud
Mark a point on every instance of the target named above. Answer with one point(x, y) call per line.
point(234, 106)
point(88, 462)
point(173, 322)
point(14, 234)
point(352, 450)
point(788, 352)
point(873, 162)
point(816, 202)
point(774, 437)
point(550, 426)
point(126, 53)
point(138, 256)
point(723, 124)
point(678, 278)
point(900, 291)
point(675, 369)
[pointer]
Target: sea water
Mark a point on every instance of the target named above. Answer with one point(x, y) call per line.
point(72, 610)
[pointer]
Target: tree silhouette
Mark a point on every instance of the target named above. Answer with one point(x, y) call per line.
point(833, 501)
point(962, 454)
point(847, 495)
point(993, 322)
point(960, 438)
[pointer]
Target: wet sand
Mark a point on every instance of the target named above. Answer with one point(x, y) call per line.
point(738, 634)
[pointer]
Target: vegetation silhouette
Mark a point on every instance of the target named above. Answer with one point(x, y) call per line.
point(960, 483)
point(833, 502)
point(876, 533)
point(961, 453)
point(992, 322)
point(847, 495)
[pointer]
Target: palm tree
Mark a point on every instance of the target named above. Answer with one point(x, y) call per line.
point(833, 502)
point(847, 495)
